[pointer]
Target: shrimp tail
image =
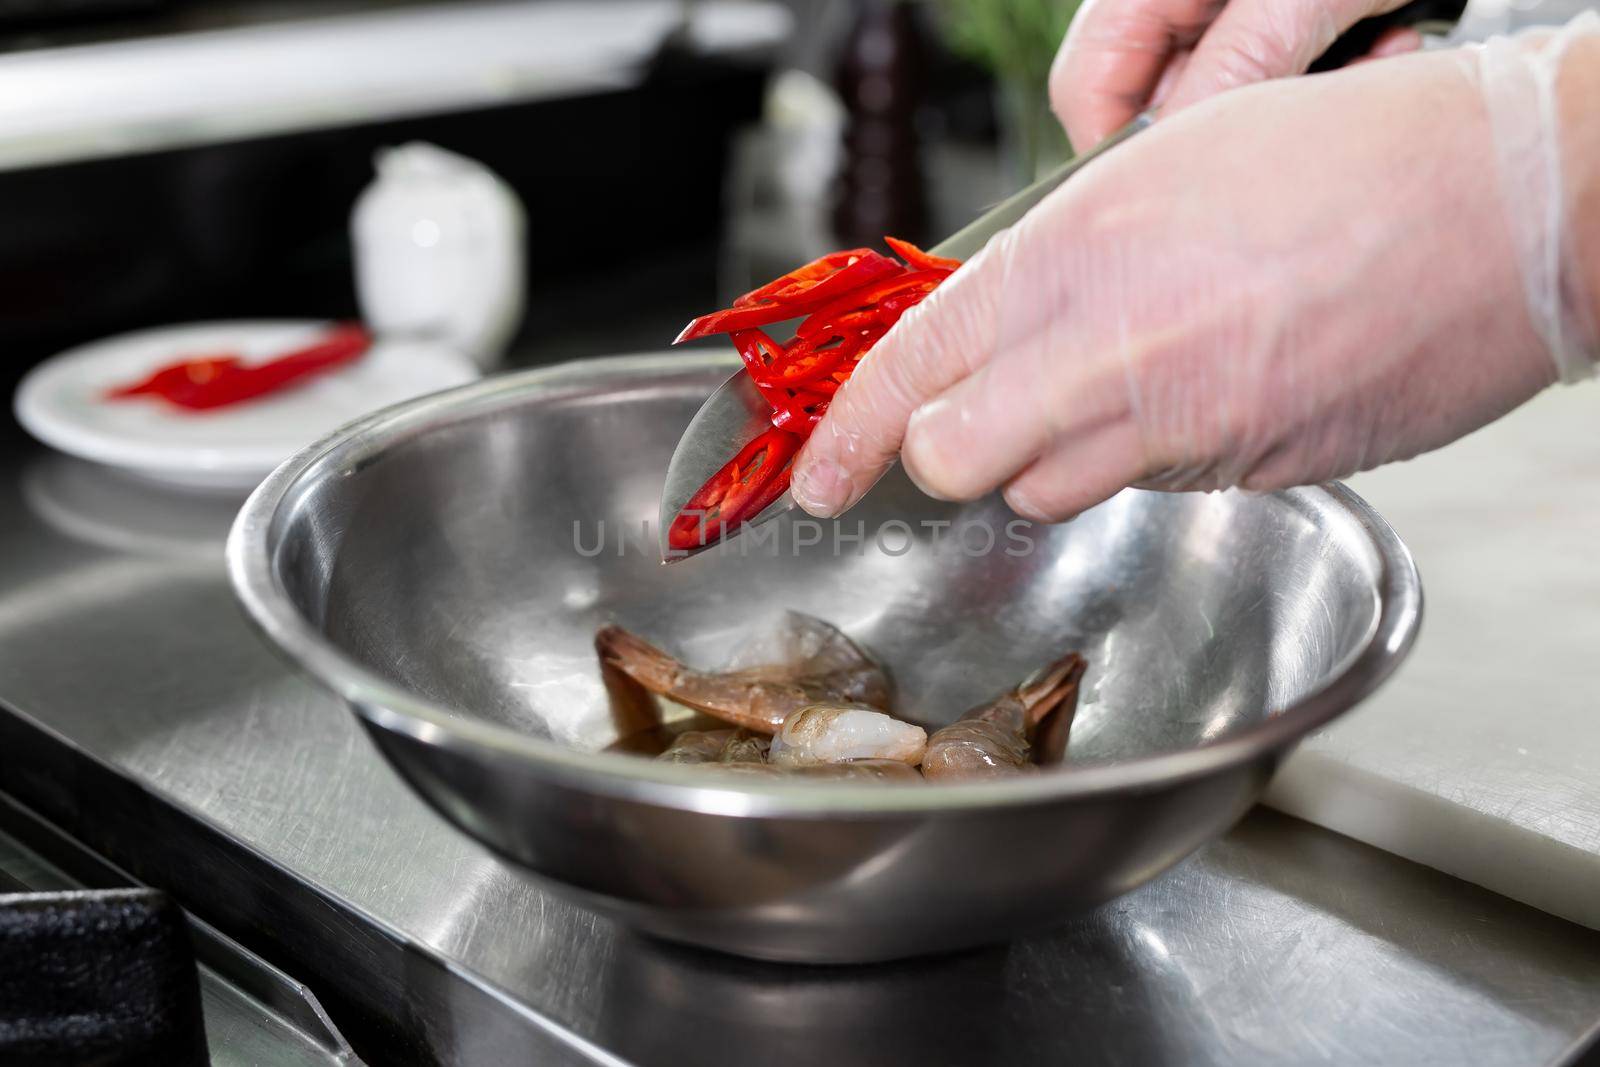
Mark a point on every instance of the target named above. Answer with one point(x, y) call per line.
point(638, 659)
point(1051, 687)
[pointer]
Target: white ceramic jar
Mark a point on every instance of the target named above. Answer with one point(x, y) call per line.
point(439, 251)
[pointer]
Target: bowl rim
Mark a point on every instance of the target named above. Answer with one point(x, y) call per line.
point(388, 708)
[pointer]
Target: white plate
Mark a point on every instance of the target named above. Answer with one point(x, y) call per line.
point(61, 401)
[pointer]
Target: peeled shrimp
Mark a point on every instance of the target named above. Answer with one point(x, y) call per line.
point(811, 663)
point(994, 740)
point(834, 733)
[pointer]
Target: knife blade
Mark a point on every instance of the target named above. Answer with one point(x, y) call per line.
point(735, 414)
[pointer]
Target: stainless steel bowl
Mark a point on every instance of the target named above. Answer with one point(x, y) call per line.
point(434, 565)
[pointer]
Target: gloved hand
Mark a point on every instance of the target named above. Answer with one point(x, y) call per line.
point(1280, 286)
point(1122, 56)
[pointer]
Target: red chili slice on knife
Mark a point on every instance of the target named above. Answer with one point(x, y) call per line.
point(847, 300)
point(744, 487)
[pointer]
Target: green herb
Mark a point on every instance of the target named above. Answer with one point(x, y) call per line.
point(1016, 40)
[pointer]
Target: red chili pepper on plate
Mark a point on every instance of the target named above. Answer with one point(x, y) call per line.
point(208, 382)
point(849, 300)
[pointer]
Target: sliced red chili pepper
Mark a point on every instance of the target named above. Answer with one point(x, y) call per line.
point(850, 300)
point(867, 297)
point(812, 272)
point(761, 354)
point(917, 258)
point(793, 301)
point(213, 382)
point(731, 320)
point(809, 362)
point(856, 321)
point(896, 305)
point(798, 418)
point(740, 491)
point(775, 395)
point(808, 294)
point(868, 339)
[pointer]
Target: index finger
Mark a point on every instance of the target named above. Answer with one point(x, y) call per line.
point(1113, 58)
point(934, 345)
point(1258, 40)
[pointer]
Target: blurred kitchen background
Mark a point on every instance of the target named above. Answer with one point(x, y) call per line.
point(173, 161)
point(167, 161)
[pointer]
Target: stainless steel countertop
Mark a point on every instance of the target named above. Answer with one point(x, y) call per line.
point(122, 651)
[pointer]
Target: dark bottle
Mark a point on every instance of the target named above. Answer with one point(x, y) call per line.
point(880, 187)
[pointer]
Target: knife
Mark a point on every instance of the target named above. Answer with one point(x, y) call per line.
point(736, 414)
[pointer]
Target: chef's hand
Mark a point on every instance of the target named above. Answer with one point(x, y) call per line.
point(1286, 284)
point(1122, 56)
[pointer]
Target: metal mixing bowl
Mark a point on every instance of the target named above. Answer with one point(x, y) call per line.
point(435, 565)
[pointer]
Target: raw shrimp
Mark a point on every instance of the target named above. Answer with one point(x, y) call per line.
point(834, 733)
point(813, 662)
point(993, 740)
point(697, 746)
point(745, 746)
point(716, 746)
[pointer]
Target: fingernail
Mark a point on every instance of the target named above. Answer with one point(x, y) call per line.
point(820, 488)
point(1024, 507)
point(920, 455)
point(917, 480)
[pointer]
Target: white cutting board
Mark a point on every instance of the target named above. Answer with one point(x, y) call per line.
point(1481, 757)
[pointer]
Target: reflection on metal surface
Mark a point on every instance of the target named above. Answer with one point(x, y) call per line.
point(258, 801)
point(123, 513)
point(420, 575)
point(1256, 952)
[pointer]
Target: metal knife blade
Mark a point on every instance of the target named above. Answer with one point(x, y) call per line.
point(735, 414)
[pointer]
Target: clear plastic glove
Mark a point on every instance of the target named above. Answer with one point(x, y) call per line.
point(1281, 286)
point(1122, 56)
